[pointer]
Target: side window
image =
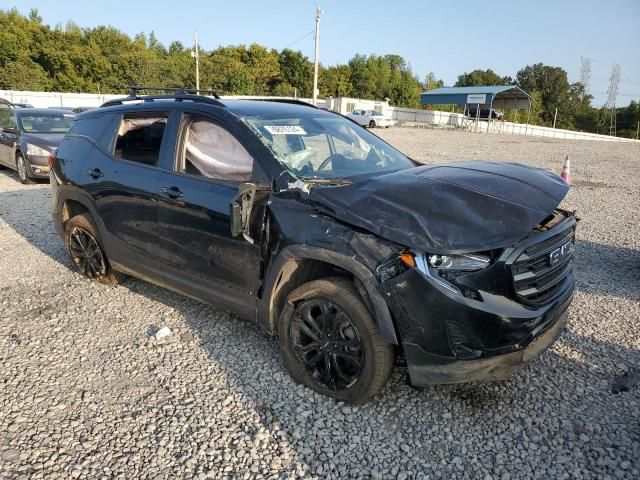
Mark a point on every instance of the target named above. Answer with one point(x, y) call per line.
point(208, 150)
point(139, 138)
point(100, 129)
point(7, 118)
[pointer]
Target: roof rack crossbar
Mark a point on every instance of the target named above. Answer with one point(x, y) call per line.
point(134, 89)
point(181, 93)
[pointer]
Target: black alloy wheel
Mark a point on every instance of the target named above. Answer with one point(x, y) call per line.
point(87, 254)
point(330, 342)
point(327, 343)
point(85, 250)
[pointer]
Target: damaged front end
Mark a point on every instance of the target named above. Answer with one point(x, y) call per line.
point(485, 279)
point(490, 317)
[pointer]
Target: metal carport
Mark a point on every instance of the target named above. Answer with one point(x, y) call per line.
point(499, 96)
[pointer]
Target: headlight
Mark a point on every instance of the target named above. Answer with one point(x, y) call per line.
point(468, 263)
point(444, 269)
point(395, 265)
point(36, 150)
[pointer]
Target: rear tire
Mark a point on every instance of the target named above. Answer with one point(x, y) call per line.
point(86, 253)
point(330, 342)
point(23, 169)
point(372, 124)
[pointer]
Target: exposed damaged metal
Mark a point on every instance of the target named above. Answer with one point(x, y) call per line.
point(455, 208)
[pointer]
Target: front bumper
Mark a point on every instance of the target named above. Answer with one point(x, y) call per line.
point(448, 338)
point(426, 369)
point(38, 166)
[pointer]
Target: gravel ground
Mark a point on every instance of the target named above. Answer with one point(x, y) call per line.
point(87, 391)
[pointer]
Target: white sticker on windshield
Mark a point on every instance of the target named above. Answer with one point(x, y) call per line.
point(285, 130)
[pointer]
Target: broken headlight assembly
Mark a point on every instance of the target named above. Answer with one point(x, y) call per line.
point(445, 269)
point(395, 266)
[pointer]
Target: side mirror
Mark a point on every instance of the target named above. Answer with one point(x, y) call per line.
point(240, 211)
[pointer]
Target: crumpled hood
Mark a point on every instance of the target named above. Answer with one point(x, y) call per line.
point(452, 208)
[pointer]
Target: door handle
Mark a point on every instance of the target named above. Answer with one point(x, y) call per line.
point(172, 192)
point(95, 173)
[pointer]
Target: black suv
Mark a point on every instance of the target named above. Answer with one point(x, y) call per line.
point(311, 226)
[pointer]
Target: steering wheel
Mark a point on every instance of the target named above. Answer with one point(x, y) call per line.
point(328, 160)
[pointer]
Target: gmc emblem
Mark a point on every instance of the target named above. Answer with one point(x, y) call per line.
point(559, 254)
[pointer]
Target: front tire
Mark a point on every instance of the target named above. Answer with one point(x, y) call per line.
point(23, 169)
point(330, 342)
point(86, 253)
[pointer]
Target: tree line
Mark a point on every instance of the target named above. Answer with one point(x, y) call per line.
point(35, 56)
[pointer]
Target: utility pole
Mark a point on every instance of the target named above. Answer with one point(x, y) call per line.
point(195, 53)
point(555, 116)
point(316, 56)
point(609, 109)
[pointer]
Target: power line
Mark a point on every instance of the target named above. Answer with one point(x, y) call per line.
point(301, 38)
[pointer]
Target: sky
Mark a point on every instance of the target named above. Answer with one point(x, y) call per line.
point(448, 38)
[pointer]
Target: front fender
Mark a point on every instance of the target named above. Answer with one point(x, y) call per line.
point(295, 253)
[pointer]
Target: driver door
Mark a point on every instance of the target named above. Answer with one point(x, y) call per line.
point(194, 219)
point(7, 138)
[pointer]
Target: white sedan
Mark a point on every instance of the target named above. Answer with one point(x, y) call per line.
point(371, 118)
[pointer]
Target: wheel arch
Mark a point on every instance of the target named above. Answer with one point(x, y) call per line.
point(70, 208)
point(69, 202)
point(298, 264)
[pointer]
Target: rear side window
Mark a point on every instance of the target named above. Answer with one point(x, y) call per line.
point(139, 138)
point(99, 129)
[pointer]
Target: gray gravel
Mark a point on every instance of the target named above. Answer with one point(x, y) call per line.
point(88, 391)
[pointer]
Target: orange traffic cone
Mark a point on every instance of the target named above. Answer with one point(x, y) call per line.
point(566, 171)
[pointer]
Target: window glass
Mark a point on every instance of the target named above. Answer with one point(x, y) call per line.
point(7, 117)
point(139, 138)
point(99, 129)
point(211, 151)
point(323, 146)
point(46, 122)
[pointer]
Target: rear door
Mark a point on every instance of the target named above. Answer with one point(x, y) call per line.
point(194, 199)
point(122, 177)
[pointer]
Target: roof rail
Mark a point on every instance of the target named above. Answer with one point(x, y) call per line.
point(181, 93)
point(281, 100)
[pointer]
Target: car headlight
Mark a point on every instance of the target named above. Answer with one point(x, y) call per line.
point(444, 269)
point(465, 262)
point(37, 151)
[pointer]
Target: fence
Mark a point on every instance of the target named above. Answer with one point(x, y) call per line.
point(438, 119)
point(404, 116)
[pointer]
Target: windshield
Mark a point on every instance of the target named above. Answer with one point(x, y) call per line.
point(321, 146)
point(46, 123)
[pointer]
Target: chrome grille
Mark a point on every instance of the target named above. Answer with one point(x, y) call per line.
point(543, 268)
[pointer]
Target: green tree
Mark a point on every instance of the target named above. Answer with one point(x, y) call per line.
point(553, 86)
point(431, 82)
point(34, 15)
point(481, 77)
point(296, 72)
point(240, 83)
